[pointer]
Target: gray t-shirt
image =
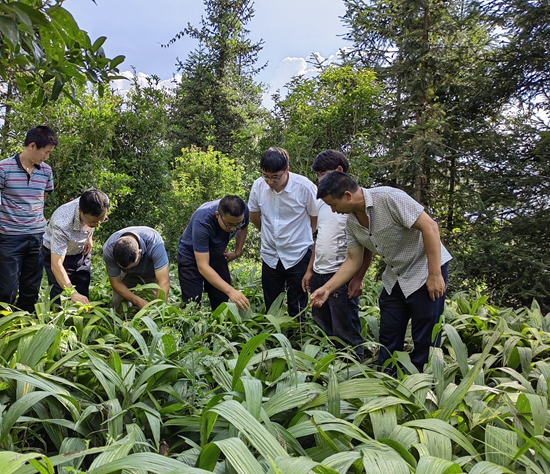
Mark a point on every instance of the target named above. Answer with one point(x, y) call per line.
point(153, 253)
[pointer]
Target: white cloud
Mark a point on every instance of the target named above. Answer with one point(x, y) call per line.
point(288, 68)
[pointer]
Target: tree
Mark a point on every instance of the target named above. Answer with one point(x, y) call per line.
point(217, 98)
point(460, 136)
point(44, 52)
point(336, 109)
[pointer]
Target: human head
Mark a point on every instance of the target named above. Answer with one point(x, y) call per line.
point(93, 206)
point(274, 160)
point(41, 136)
point(336, 184)
point(232, 205)
point(126, 251)
point(230, 213)
point(93, 202)
point(330, 160)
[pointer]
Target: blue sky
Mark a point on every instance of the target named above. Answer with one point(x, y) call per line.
point(291, 30)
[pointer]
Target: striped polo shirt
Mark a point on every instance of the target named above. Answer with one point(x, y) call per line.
point(22, 197)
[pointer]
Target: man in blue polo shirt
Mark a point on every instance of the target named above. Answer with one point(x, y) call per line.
point(136, 255)
point(202, 255)
point(24, 181)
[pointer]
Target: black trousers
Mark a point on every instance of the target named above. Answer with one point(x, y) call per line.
point(276, 280)
point(339, 316)
point(20, 270)
point(193, 283)
point(395, 312)
point(78, 268)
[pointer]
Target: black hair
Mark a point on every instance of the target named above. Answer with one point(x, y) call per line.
point(329, 160)
point(336, 184)
point(126, 250)
point(93, 202)
point(42, 136)
point(274, 160)
point(232, 205)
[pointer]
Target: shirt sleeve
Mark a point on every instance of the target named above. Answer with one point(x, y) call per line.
point(49, 185)
point(201, 238)
point(403, 208)
point(59, 241)
point(312, 203)
point(253, 204)
point(352, 241)
point(159, 255)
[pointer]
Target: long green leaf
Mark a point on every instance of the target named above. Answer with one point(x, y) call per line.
point(249, 427)
point(239, 456)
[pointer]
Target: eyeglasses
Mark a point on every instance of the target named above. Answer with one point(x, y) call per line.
point(93, 223)
point(273, 178)
point(232, 226)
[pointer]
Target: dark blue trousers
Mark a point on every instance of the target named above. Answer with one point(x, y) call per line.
point(21, 267)
point(192, 282)
point(78, 270)
point(339, 316)
point(395, 313)
point(276, 280)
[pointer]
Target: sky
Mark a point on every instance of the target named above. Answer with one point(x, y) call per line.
point(292, 30)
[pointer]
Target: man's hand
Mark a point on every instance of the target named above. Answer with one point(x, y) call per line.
point(239, 299)
point(318, 297)
point(78, 298)
point(230, 256)
point(140, 302)
point(436, 286)
point(87, 247)
point(355, 287)
point(306, 279)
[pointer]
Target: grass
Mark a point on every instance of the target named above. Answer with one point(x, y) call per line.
point(166, 390)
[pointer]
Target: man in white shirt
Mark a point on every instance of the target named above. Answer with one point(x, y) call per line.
point(339, 317)
point(388, 222)
point(283, 206)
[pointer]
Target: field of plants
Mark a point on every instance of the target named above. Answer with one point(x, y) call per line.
point(171, 390)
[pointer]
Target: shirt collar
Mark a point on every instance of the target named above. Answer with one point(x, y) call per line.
point(18, 161)
point(76, 219)
point(368, 198)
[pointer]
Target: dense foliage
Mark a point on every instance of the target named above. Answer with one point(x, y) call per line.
point(168, 390)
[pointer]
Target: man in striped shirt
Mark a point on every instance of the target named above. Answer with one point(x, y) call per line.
point(24, 181)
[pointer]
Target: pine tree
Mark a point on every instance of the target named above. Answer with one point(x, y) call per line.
point(217, 98)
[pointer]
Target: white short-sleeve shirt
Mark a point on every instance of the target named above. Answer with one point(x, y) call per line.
point(331, 245)
point(391, 214)
point(286, 227)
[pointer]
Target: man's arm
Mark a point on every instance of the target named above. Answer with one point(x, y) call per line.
point(89, 244)
point(212, 276)
point(163, 279)
point(256, 219)
point(309, 272)
point(313, 220)
point(345, 273)
point(240, 239)
point(63, 280)
point(355, 287)
point(432, 245)
point(125, 292)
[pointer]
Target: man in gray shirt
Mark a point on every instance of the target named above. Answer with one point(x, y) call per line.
point(133, 256)
point(388, 222)
point(67, 247)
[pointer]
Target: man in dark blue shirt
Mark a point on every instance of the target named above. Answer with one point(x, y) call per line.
point(202, 251)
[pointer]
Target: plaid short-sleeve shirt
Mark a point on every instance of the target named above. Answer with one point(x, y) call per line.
point(391, 214)
point(64, 233)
